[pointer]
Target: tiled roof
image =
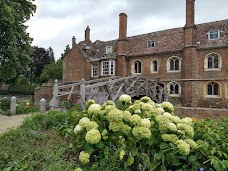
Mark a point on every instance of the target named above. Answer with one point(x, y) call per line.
point(165, 41)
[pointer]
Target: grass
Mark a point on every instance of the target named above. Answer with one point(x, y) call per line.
point(36, 146)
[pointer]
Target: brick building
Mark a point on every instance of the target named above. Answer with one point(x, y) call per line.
point(191, 61)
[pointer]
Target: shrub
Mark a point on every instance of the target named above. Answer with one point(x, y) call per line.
point(22, 89)
point(139, 136)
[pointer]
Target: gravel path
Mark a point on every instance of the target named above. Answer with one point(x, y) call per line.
point(7, 122)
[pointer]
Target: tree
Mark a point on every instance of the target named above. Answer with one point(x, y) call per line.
point(52, 71)
point(66, 51)
point(38, 60)
point(15, 43)
point(51, 54)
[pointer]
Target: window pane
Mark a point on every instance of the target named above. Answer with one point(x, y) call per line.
point(105, 67)
point(139, 65)
point(209, 64)
point(155, 67)
point(176, 64)
point(176, 89)
point(95, 70)
point(171, 89)
point(172, 64)
point(216, 61)
point(209, 89)
point(111, 67)
point(216, 89)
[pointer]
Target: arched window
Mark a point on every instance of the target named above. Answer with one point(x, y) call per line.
point(173, 64)
point(137, 67)
point(212, 89)
point(174, 88)
point(213, 62)
point(154, 66)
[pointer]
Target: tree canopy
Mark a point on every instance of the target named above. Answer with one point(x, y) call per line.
point(15, 43)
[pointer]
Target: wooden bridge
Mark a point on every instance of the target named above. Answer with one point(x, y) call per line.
point(109, 88)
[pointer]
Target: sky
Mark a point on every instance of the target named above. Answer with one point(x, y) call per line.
point(57, 21)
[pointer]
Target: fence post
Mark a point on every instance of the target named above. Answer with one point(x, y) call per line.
point(42, 105)
point(54, 103)
point(82, 93)
point(13, 104)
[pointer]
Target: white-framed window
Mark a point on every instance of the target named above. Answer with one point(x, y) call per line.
point(154, 66)
point(174, 64)
point(95, 70)
point(174, 89)
point(213, 34)
point(137, 67)
point(108, 49)
point(151, 44)
point(212, 62)
point(108, 67)
point(212, 89)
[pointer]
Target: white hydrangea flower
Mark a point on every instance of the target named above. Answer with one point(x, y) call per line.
point(170, 137)
point(93, 136)
point(84, 157)
point(136, 119)
point(92, 125)
point(172, 127)
point(183, 147)
point(77, 129)
point(145, 123)
point(186, 120)
point(187, 129)
point(141, 132)
point(167, 106)
point(137, 111)
point(167, 114)
point(161, 110)
point(94, 109)
point(125, 98)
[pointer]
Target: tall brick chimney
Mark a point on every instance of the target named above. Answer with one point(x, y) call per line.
point(73, 41)
point(87, 36)
point(122, 26)
point(190, 13)
point(122, 45)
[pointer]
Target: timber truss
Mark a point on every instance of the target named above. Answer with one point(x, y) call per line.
point(111, 88)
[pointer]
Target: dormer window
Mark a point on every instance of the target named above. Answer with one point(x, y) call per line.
point(213, 35)
point(151, 44)
point(108, 49)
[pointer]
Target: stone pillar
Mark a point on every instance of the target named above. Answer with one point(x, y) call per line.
point(13, 105)
point(42, 105)
point(82, 93)
point(54, 103)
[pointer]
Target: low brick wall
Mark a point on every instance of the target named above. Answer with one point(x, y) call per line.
point(201, 113)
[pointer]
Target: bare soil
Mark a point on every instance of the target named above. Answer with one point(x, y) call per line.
point(9, 122)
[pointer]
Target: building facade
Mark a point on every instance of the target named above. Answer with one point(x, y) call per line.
point(191, 61)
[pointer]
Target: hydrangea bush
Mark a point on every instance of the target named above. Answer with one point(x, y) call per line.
point(146, 135)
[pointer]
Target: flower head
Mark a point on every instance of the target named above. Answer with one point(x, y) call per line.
point(170, 137)
point(136, 119)
point(125, 98)
point(121, 155)
point(167, 106)
point(94, 109)
point(141, 132)
point(93, 136)
point(115, 115)
point(172, 127)
point(183, 147)
point(191, 142)
point(88, 103)
point(145, 123)
point(84, 157)
point(115, 126)
point(84, 122)
point(77, 129)
point(92, 125)
point(78, 169)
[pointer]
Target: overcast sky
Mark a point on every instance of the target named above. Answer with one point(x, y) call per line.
point(56, 21)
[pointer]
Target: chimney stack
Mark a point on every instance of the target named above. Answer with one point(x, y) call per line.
point(87, 36)
point(190, 13)
point(122, 26)
point(73, 41)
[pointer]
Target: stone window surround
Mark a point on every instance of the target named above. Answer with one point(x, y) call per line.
point(211, 33)
point(168, 64)
point(108, 50)
point(206, 62)
point(179, 88)
point(206, 90)
point(151, 44)
point(133, 67)
point(152, 66)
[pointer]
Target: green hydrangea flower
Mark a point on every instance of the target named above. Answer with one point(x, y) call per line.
point(172, 127)
point(88, 103)
point(170, 137)
point(92, 125)
point(115, 126)
point(186, 120)
point(191, 142)
point(174, 119)
point(167, 114)
point(125, 129)
point(115, 115)
point(121, 155)
point(145, 123)
point(94, 109)
point(109, 108)
point(163, 122)
point(161, 109)
point(84, 122)
point(168, 107)
point(136, 119)
point(78, 169)
point(187, 129)
point(84, 157)
point(104, 134)
point(126, 116)
point(141, 132)
point(137, 111)
point(183, 147)
point(93, 136)
point(146, 99)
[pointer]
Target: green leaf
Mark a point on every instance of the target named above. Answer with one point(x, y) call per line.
point(145, 159)
point(192, 158)
point(159, 155)
point(130, 160)
point(100, 145)
point(164, 145)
